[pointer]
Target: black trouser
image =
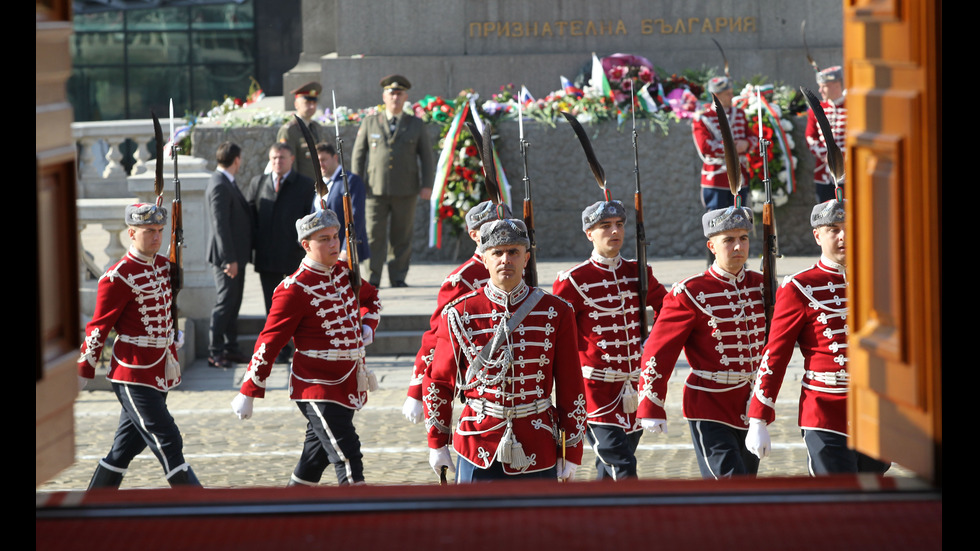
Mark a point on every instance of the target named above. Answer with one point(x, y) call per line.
point(721, 450)
point(615, 451)
point(827, 453)
point(145, 422)
point(330, 439)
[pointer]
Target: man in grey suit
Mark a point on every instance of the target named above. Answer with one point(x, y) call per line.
point(390, 148)
point(229, 250)
point(278, 199)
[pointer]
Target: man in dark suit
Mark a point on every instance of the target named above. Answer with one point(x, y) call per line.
point(229, 250)
point(334, 178)
point(388, 151)
point(278, 199)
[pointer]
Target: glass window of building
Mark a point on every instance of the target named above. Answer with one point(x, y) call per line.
point(129, 62)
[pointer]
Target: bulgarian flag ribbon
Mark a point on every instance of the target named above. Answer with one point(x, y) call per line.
point(599, 82)
point(443, 168)
point(780, 136)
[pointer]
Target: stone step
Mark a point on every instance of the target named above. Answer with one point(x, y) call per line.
point(398, 334)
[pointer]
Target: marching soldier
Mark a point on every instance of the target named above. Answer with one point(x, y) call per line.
point(811, 309)
point(305, 101)
point(603, 291)
point(718, 319)
point(135, 299)
point(469, 276)
point(715, 192)
point(504, 349)
point(831, 86)
point(328, 379)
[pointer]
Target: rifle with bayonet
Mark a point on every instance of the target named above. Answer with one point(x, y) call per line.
point(350, 230)
point(770, 245)
point(641, 234)
point(176, 255)
point(321, 191)
point(531, 271)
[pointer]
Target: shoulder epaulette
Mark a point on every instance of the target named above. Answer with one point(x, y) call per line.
point(460, 298)
point(565, 274)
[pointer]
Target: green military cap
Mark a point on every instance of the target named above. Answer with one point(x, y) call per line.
point(310, 90)
point(395, 82)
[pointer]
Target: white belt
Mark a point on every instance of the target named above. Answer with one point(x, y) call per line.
point(335, 354)
point(606, 375)
point(145, 341)
point(829, 378)
point(491, 409)
point(725, 377)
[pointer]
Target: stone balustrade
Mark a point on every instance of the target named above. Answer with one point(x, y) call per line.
point(101, 159)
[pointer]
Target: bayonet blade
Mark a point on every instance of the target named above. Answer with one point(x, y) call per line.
point(158, 136)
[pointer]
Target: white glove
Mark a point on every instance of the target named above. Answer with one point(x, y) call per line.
point(242, 406)
point(566, 469)
point(653, 426)
point(439, 458)
point(179, 341)
point(412, 410)
point(757, 440)
point(82, 381)
point(367, 335)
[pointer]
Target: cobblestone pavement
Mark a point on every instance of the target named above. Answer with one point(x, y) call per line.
point(262, 451)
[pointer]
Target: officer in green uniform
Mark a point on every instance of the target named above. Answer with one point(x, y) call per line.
point(305, 101)
point(393, 155)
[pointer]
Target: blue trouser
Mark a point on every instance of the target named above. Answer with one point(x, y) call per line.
point(718, 198)
point(468, 472)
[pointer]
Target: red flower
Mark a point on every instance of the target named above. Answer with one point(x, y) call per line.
point(446, 211)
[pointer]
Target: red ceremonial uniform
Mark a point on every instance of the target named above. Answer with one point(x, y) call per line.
point(315, 307)
point(707, 138)
point(603, 292)
point(134, 298)
point(837, 117)
point(719, 321)
point(509, 416)
point(811, 308)
point(469, 276)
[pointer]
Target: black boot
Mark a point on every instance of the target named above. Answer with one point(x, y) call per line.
point(184, 477)
point(105, 478)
